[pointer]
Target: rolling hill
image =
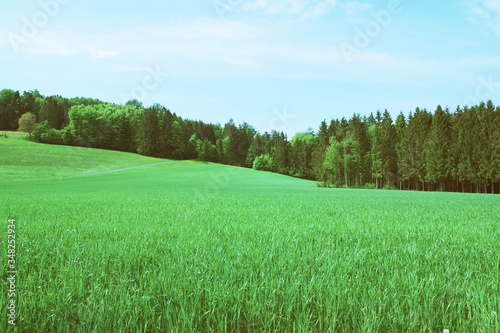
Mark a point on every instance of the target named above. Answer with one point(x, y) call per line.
point(192, 246)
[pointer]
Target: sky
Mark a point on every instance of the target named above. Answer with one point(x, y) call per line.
point(284, 65)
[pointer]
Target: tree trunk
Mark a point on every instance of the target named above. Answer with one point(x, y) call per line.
point(345, 166)
point(492, 187)
point(358, 176)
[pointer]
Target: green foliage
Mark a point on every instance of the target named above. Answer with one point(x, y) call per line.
point(148, 132)
point(264, 163)
point(9, 110)
point(45, 134)
point(300, 152)
point(177, 141)
point(256, 148)
point(438, 150)
point(369, 186)
point(206, 151)
point(54, 109)
point(52, 136)
point(333, 160)
point(443, 151)
point(69, 135)
point(91, 125)
point(318, 155)
point(27, 123)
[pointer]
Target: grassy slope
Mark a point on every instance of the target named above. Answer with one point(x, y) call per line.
point(195, 246)
point(24, 159)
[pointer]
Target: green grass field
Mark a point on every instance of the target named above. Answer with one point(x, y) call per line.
point(200, 247)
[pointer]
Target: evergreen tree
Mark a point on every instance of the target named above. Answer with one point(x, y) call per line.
point(438, 150)
point(147, 132)
point(177, 141)
point(467, 164)
point(418, 131)
point(318, 155)
point(9, 109)
point(401, 150)
point(489, 144)
point(279, 152)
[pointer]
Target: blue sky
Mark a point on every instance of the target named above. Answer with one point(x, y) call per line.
point(284, 64)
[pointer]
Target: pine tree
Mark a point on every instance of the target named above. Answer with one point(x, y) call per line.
point(318, 155)
point(387, 135)
point(418, 132)
point(177, 141)
point(147, 132)
point(401, 150)
point(490, 148)
point(468, 162)
point(438, 148)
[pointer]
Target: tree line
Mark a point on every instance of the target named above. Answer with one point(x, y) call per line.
point(443, 150)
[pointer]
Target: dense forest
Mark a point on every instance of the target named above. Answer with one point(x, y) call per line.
point(443, 150)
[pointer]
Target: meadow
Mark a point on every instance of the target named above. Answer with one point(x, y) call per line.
point(201, 247)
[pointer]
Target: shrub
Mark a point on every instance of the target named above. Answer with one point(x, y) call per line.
point(69, 136)
point(263, 162)
point(52, 136)
point(40, 129)
point(45, 134)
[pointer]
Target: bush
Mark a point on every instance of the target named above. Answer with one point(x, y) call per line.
point(69, 136)
point(45, 134)
point(40, 129)
point(52, 136)
point(263, 162)
point(369, 186)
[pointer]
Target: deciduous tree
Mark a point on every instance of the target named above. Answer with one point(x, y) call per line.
point(27, 123)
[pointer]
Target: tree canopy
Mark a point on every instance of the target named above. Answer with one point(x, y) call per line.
point(441, 150)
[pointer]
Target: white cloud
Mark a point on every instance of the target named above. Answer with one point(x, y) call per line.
point(222, 47)
point(207, 29)
point(485, 12)
point(356, 6)
point(303, 8)
point(48, 44)
point(101, 53)
point(61, 44)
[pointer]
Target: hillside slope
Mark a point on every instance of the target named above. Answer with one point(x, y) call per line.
point(198, 247)
point(25, 159)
